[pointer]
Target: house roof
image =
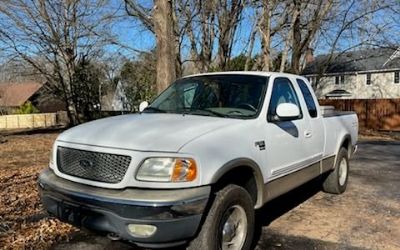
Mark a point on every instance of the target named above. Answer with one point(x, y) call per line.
point(378, 59)
point(16, 94)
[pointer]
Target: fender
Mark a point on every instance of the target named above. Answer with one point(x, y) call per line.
point(344, 138)
point(244, 162)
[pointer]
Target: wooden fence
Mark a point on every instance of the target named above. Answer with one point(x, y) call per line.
point(376, 114)
point(44, 120)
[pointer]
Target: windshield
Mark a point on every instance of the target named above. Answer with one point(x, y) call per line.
point(233, 96)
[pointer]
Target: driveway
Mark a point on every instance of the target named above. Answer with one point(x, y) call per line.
point(366, 216)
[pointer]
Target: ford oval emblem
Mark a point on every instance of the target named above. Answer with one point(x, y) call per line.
point(86, 163)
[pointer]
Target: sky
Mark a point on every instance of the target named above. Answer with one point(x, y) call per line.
point(132, 34)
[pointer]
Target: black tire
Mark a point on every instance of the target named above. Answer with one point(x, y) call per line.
point(333, 183)
point(210, 236)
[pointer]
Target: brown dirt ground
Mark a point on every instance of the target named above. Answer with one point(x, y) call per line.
point(367, 216)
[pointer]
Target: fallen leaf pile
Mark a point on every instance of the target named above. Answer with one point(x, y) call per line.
point(23, 222)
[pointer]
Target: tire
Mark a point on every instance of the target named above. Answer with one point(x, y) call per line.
point(336, 182)
point(231, 202)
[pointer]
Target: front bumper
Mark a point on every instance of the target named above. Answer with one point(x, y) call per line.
point(175, 213)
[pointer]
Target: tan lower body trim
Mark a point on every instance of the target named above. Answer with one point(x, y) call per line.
point(288, 182)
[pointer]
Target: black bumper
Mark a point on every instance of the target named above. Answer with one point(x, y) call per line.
point(175, 213)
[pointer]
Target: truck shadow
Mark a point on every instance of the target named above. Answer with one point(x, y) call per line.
point(283, 204)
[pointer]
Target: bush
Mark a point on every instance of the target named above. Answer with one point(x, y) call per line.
point(27, 108)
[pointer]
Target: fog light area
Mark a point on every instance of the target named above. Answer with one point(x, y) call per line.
point(142, 231)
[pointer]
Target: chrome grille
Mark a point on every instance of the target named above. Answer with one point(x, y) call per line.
point(103, 167)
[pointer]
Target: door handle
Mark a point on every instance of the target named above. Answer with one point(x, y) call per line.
point(307, 134)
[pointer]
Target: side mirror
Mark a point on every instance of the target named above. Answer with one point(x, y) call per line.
point(287, 111)
point(143, 105)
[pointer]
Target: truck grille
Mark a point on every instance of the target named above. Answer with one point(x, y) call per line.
point(110, 168)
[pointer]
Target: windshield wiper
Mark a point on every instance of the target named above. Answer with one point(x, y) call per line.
point(209, 111)
point(151, 109)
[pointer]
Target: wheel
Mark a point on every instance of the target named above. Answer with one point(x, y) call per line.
point(229, 223)
point(336, 182)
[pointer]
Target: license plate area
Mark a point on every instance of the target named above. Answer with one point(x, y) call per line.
point(70, 213)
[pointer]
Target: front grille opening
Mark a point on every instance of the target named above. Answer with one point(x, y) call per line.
point(96, 166)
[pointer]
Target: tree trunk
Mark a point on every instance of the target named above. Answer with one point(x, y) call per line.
point(165, 49)
point(266, 35)
point(288, 40)
point(251, 45)
point(296, 42)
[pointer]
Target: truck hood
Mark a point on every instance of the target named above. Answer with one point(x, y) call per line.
point(145, 132)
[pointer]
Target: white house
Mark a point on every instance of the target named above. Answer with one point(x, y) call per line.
point(362, 74)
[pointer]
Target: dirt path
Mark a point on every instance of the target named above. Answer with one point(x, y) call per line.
point(367, 216)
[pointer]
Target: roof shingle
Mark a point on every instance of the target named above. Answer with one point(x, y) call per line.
point(354, 61)
point(16, 94)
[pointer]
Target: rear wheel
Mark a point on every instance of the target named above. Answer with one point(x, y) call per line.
point(336, 182)
point(229, 223)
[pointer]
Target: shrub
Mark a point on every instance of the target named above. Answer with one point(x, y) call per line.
point(27, 108)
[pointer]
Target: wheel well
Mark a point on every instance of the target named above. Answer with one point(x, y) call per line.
point(346, 145)
point(242, 176)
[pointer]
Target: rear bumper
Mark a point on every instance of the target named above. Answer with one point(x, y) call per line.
point(354, 150)
point(175, 213)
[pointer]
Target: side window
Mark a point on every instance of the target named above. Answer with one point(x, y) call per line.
point(282, 92)
point(308, 98)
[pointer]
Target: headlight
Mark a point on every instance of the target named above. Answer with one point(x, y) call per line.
point(162, 169)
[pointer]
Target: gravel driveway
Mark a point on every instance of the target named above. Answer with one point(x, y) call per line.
point(366, 216)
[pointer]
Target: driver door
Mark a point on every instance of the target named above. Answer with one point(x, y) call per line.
point(285, 152)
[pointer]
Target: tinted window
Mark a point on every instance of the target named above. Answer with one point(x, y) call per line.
point(308, 98)
point(282, 92)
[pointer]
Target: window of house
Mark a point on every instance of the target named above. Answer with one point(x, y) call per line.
point(308, 98)
point(337, 80)
point(342, 80)
point(397, 77)
point(368, 79)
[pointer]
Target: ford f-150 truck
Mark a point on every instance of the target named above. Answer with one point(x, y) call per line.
point(193, 165)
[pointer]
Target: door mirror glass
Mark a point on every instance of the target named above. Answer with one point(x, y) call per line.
point(287, 111)
point(143, 106)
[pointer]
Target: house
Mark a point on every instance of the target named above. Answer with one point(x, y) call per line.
point(362, 74)
point(14, 95)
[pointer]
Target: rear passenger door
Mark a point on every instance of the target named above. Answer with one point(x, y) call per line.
point(314, 131)
point(285, 151)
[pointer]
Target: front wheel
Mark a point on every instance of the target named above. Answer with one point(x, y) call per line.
point(229, 223)
point(336, 182)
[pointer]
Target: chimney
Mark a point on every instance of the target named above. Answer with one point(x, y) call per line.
point(309, 55)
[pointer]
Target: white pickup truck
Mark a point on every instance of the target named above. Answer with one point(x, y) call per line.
point(193, 166)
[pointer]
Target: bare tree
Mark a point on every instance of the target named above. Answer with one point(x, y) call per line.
point(351, 26)
point(311, 14)
point(160, 21)
point(53, 35)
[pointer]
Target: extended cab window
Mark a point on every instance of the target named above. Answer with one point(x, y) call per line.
point(282, 92)
point(308, 98)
